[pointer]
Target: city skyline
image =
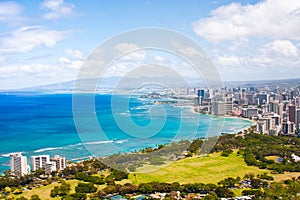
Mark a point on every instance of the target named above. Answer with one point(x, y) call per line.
point(46, 42)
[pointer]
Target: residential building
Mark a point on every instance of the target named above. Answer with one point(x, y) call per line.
point(60, 162)
point(39, 162)
point(221, 107)
point(50, 167)
point(18, 164)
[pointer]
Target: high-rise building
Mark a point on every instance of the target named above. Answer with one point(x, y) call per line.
point(263, 98)
point(288, 127)
point(39, 162)
point(261, 127)
point(18, 164)
point(201, 93)
point(297, 119)
point(273, 106)
point(60, 162)
point(250, 97)
point(292, 113)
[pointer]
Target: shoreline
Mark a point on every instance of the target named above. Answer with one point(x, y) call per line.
point(186, 106)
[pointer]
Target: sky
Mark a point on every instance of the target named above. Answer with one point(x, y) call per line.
point(44, 42)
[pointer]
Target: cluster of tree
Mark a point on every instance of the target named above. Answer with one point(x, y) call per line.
point(61, 190)
point(11, 181)
point(256, 147)
point(153, 155)
point(81, 190)
point(89, 178)
point(148, 188)
point(288, 189)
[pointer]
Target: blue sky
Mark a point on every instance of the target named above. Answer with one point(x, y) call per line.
point(47, 41)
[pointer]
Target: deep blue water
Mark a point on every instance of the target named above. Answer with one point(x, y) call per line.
point(35, 124)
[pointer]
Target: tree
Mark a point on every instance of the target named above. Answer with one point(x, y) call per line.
point(85, 188)
point(145, 188)
point(61, 190)
point(128, 188)
point(224, 192)
point(256, 193)
point(211, 196)
point(110, 189)
point(76, 196)
point(35, 197)
point(100, 194)
point(22, 198)
point(228, 182)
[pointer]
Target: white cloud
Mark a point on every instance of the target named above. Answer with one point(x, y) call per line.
point(228, 60)
point(275, 19)
point(132, 52)
point(29, 70)
point(10, 13)
point(25, 39)
point(74, 53)
point(69, 63)
point(238, 44)
point(57, 9)
point(126, 47)
point(281, 48)
point(274, 57)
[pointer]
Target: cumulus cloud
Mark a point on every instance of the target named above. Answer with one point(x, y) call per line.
point(57, 9)
point(25, 39)
point(274, 19)
point(281, 48)
point(65, 68)
point(278, 55)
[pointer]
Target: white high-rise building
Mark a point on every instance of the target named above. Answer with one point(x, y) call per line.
point(18, 164)
point(60, 162)
point(39, 162)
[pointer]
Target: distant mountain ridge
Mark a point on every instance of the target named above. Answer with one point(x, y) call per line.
point(111, 82)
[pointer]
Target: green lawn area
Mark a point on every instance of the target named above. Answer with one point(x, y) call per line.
point(208, 169)
point(44, 191)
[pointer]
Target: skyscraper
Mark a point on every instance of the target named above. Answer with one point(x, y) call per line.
point(297, 119)
point(292, 113)
point(18, 164)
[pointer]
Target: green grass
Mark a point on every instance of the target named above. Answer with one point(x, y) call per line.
point(44, 191)
point(208, 169)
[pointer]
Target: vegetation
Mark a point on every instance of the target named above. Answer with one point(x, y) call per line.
point(240, 162)
point(61, 190)
point(205, 169)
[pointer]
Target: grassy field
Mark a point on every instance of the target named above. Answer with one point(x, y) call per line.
point(285, 176)
point(209, 169)
point(44, 191)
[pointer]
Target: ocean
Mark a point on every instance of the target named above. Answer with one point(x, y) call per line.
point(41, 123)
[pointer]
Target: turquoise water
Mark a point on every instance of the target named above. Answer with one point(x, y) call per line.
point(36, 124)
